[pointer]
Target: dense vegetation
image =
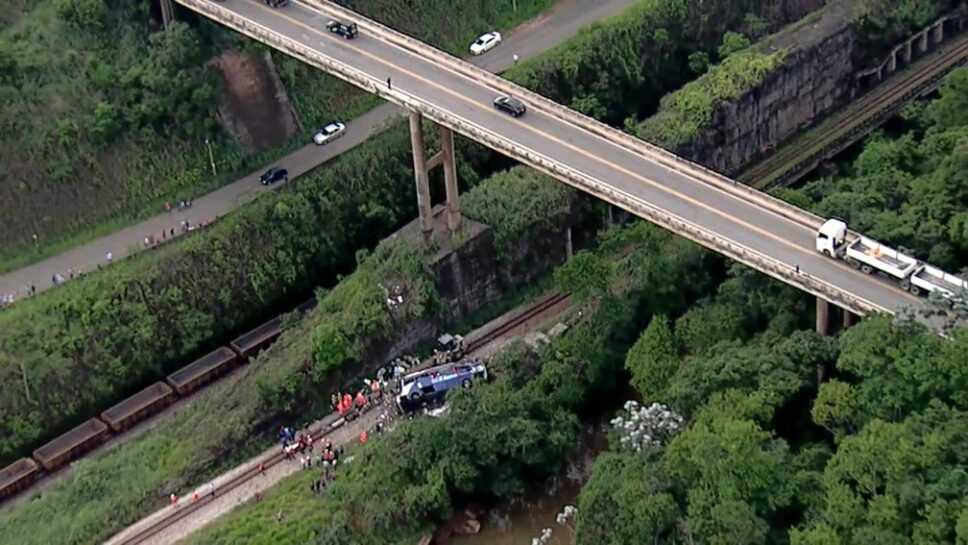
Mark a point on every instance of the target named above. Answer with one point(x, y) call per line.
point(350, 329)
point(620, 68)
point(161, 309)
point(880, 24)
point(499, 437)
point(78, 347)
point(909, 189)
point(105, 117)
point(875, 455)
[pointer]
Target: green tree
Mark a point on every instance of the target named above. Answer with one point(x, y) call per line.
point(698, 62)
point(653, 358)
point(950, 109)
point(836, 407)
point(628, 499)
point(584, 276)
point(85, 13)
point(732, 42)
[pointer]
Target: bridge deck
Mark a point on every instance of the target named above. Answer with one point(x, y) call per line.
point(673, 197)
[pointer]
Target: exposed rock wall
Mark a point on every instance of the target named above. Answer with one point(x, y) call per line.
point(814, 80)
point(253, 105)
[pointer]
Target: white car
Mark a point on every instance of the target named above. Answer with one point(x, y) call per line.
point(330, 131)
point(486, 43)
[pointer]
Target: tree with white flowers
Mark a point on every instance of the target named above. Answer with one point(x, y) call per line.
point(642, 428)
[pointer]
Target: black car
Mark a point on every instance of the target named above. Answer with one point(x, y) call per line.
point(510, 105)
point(276, 3)
point(273, 175)
point(346, 30)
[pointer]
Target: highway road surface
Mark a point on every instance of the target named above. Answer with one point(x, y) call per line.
point(530, 38)
point(714, 209)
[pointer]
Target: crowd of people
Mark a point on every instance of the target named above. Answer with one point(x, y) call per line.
point(150, 241)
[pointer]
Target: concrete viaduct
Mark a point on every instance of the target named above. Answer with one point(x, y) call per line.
point(731, 218)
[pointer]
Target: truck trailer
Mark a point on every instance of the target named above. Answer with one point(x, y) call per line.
point(872, 257)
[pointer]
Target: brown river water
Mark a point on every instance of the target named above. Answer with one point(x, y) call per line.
point(520, 520)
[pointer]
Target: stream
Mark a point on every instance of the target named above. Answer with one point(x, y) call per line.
point(518, 521)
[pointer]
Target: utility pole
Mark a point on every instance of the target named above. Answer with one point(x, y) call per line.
point(211, 156)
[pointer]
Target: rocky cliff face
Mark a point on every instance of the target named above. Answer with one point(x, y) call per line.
point(815, 79)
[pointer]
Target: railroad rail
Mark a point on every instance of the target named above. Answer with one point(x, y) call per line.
point(803, 154)
point(322, 428)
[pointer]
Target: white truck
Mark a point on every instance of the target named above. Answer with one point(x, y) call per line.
point(871, 256)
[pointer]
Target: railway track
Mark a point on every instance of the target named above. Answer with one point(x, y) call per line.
point(320, 430)
point(796, 158)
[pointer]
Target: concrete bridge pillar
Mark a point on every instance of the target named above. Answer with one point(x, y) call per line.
point(937, 32)
point(907, 52)
point(823, 316)
point(569, 245)
point(450, 178)
point(849, 318)
point(892, 62)
point(420, 173)
point(422, 167)
point(167, 13)
point(923, 41)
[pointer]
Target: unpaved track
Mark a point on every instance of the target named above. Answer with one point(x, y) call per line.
point(529, 39)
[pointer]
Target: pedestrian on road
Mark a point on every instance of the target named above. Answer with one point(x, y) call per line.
point(110, 256)
point(515, 58)
point(388, 87)
point(167, 206)
point(172, 233)
point(798, 268)
point(211, 488)
point(173, 499)
point(71, 273)
point(33, 289)
point(363, 437)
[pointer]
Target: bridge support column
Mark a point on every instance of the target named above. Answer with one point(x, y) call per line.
point(848, 318)
point(569, 246)
point(923, 41)
point(892, 63)
point(450, 178)
point(907, 53)
point(937, 33)
point(823, 316)
point(420, 173)
point(167, 13)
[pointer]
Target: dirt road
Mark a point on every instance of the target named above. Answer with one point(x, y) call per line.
point(527, 40)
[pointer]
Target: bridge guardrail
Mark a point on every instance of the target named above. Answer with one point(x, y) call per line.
point(719, 243)
point(593, 126)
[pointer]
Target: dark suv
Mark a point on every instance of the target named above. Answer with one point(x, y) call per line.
point(346, 30)
point(510, 105)
point(273, 175)
point(276, 3)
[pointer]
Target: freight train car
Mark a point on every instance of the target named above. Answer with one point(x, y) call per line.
point(138, 407)
point(17, 476)
point(203, 370)
point(122, 416)
point(71, 445)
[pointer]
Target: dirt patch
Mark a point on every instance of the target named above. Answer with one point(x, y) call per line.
point(253, 105)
